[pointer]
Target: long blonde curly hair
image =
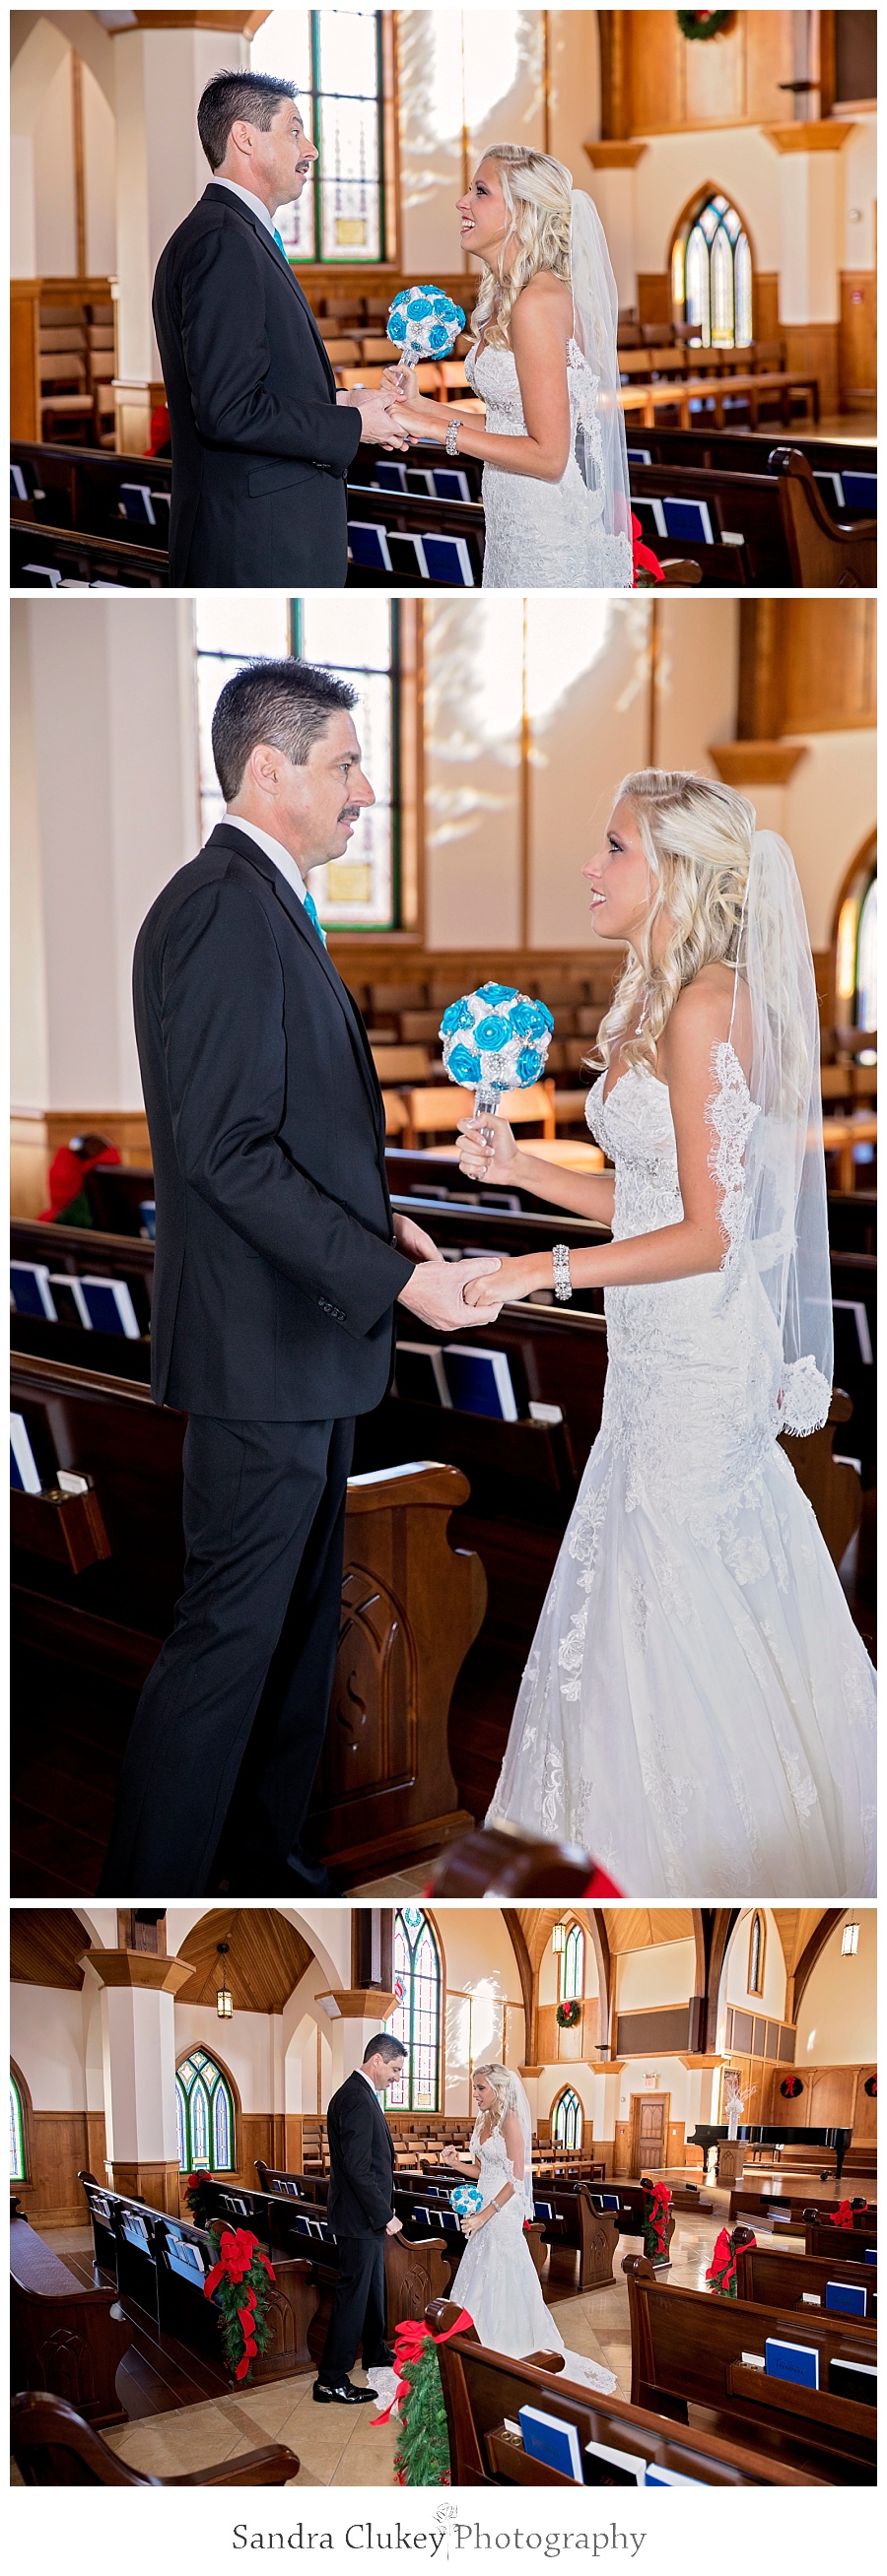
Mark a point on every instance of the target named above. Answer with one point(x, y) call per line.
point(500, 2079)
point(697, 836)
point(537, 193)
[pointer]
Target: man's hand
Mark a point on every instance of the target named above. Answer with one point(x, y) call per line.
point(394, 2227)
point(376, 424)
point(413, 1240)
point(435, 1292)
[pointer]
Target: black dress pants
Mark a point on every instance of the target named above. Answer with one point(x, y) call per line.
point(359, 2309)
point(253, 1648)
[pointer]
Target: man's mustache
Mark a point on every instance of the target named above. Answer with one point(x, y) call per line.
point(350, 813)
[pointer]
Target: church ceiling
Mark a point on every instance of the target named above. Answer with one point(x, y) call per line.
point(266, 1958)
point(643, 1927)
point(795, 1923)
point(45, 1946)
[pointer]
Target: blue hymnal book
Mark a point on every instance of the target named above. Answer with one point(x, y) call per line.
point(546, 2438)
point(870, 2254)
point(368, 545)
point(543, 2209)
point(31, 1292)
point(689, 519)
point(849, 2297)
point(419, 1374)
point(24, 1473)
point(449, 483)
point(407, 555)
point(639, 455)
point(651, 515)
point(109, 1307)
point(447, 560)
point(861, 492)
point(620, 2468)
point(796, 2361)
point(389, 477)
point(855, 2379)
point(608, 2200)
point(136, 503)
point(303, 2224)
point(657, 2477)
point(833, 487)
point(480, 1381)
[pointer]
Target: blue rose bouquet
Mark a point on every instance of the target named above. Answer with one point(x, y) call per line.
point(423, 323)
point(466, 2199)
point(495, 1040)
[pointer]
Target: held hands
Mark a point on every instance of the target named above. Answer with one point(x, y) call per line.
point(515, 1279)
point(477, 1160)
point(377, 424)
point(419, 417)
point(438, 1292)
point(413, 1240)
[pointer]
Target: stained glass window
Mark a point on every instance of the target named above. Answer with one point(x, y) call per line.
point(417, 1981)
point(17, 2170)
point(568, 2120)
point(756, 1956)
point(573, 1966)
point(856, 963)
point(205, 2112)
point(711, 276)
point(358, 639)
point(335, 58)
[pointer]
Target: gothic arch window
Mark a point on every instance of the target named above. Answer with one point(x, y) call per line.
point(572, 1979)
point(567, 2120)
point(757, 1942)
point(18, 2136)
point(205, 2113)
point(711, 273)
point(856, 947)
point(418, 1982)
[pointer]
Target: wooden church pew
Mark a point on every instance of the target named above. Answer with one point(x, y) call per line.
point(687, 2350)
point(840, 2245)
point(416, 2265)
point(796, 2209)
point(96, 1578)
point(53, 2446)
point(160, 2265)
point(483, 2391)
point(823, 555)
point(66, 2339)
point(779, 2277)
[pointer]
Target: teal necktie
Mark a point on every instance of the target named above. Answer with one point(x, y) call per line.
point(281, 245)
point(314, 916)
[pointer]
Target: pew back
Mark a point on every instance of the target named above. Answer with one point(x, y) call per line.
point(690, 2349)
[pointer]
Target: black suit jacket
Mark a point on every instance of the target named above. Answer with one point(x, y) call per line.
point(259, 447)
point(361, 2193)
point(276, 1269)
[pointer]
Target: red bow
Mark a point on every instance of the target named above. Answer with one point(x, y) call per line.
point(723, 2261)
point(238, 2251)
point(643, 559)
point(842, 2216)
point(409, 2338)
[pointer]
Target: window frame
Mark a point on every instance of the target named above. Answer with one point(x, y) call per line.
point(856, 888)
point(406, 2034)
point(574, 1945)
point(758, 1922)
point(680, 241)
point(183, 2102)
point(19, 2088)
point(311, 103)
point(568, 2094)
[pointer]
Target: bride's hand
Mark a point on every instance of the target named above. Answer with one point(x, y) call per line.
point(419, 417)
point(513, 1279)
point(450, 2156)
point(472, 2221)
point(477, 1160)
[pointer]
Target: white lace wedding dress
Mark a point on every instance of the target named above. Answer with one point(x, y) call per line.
point(544, 536)
point(698, 1709)
point(497, 2280)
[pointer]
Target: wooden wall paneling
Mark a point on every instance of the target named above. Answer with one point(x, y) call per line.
point(151, 2180)
point(865, 2108)
point(656, 72)
point(663, 2029)
point(59, 2147)
point(766, 324)
point(675, 2152)
point(622, 2147)
point(813, 348)
point(806, 666)
point(670, 86)
point(654, 297)
point(858, 338)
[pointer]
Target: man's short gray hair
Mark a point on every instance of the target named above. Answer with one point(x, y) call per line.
point(238, 98)
point(385, 2046)
point(286, 704)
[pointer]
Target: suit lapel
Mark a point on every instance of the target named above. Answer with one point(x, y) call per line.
point(295, 912)
point(223, 196)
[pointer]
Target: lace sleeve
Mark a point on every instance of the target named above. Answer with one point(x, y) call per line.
point(730, 1113)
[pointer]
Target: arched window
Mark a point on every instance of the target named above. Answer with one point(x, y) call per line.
point(856, 950)
point(417, 1983)
point(573, 1966)
point(205, 2111)
point(18, 2168)
point(711, 274)
point(567, 2123)
point(756, 1946)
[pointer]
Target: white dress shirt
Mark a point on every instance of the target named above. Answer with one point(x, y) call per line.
point(281, 857)
point(255, 204)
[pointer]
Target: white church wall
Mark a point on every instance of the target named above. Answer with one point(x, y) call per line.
point(99, 178)
point(549, 1973)
point(654, 2074)
point(646, 1979)
point(734, 1984)
point(245, 2045)
point(838, 2017)
point(859, 169)
point(46, 2040)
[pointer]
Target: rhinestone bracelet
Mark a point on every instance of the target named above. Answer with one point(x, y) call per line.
point(560, 1262)
point(451, 437)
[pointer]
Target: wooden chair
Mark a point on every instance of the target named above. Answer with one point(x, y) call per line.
point(53, 2447)
point(825, 554)
point(437, 1111)
point(401, 1064)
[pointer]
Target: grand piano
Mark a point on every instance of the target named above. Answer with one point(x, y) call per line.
point(708, 2135)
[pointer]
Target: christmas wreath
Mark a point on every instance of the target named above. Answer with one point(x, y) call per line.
point(567, 2015)
point(722, 2268)
point(791, 2088)
point(699, 24)
point(871, 2087)
point(239, 2283)
point(422, 2458)
point(657, 2203)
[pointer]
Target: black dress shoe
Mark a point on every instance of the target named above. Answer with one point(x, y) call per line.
point(341, 2392)
point(383, 2360)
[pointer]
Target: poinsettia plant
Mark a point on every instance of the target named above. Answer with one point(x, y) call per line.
point(647, 567)
point(239, 2284)
point(195, 2195)
point(567, 2015)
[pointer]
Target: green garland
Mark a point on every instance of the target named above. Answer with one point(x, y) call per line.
point(422, 2458)
point(698, 25)
point(238, 2282)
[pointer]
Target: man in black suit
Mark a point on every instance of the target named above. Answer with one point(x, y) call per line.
point(261, 440)
point(278, 1263)
point(361, 2215)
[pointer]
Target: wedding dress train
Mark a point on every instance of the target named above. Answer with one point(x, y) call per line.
point(546, 536)
point(497, 2280)
point(698, 1709)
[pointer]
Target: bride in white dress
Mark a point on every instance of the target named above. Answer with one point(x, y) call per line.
point(497, 2280)
point(698, 1708)
point(555, 483)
